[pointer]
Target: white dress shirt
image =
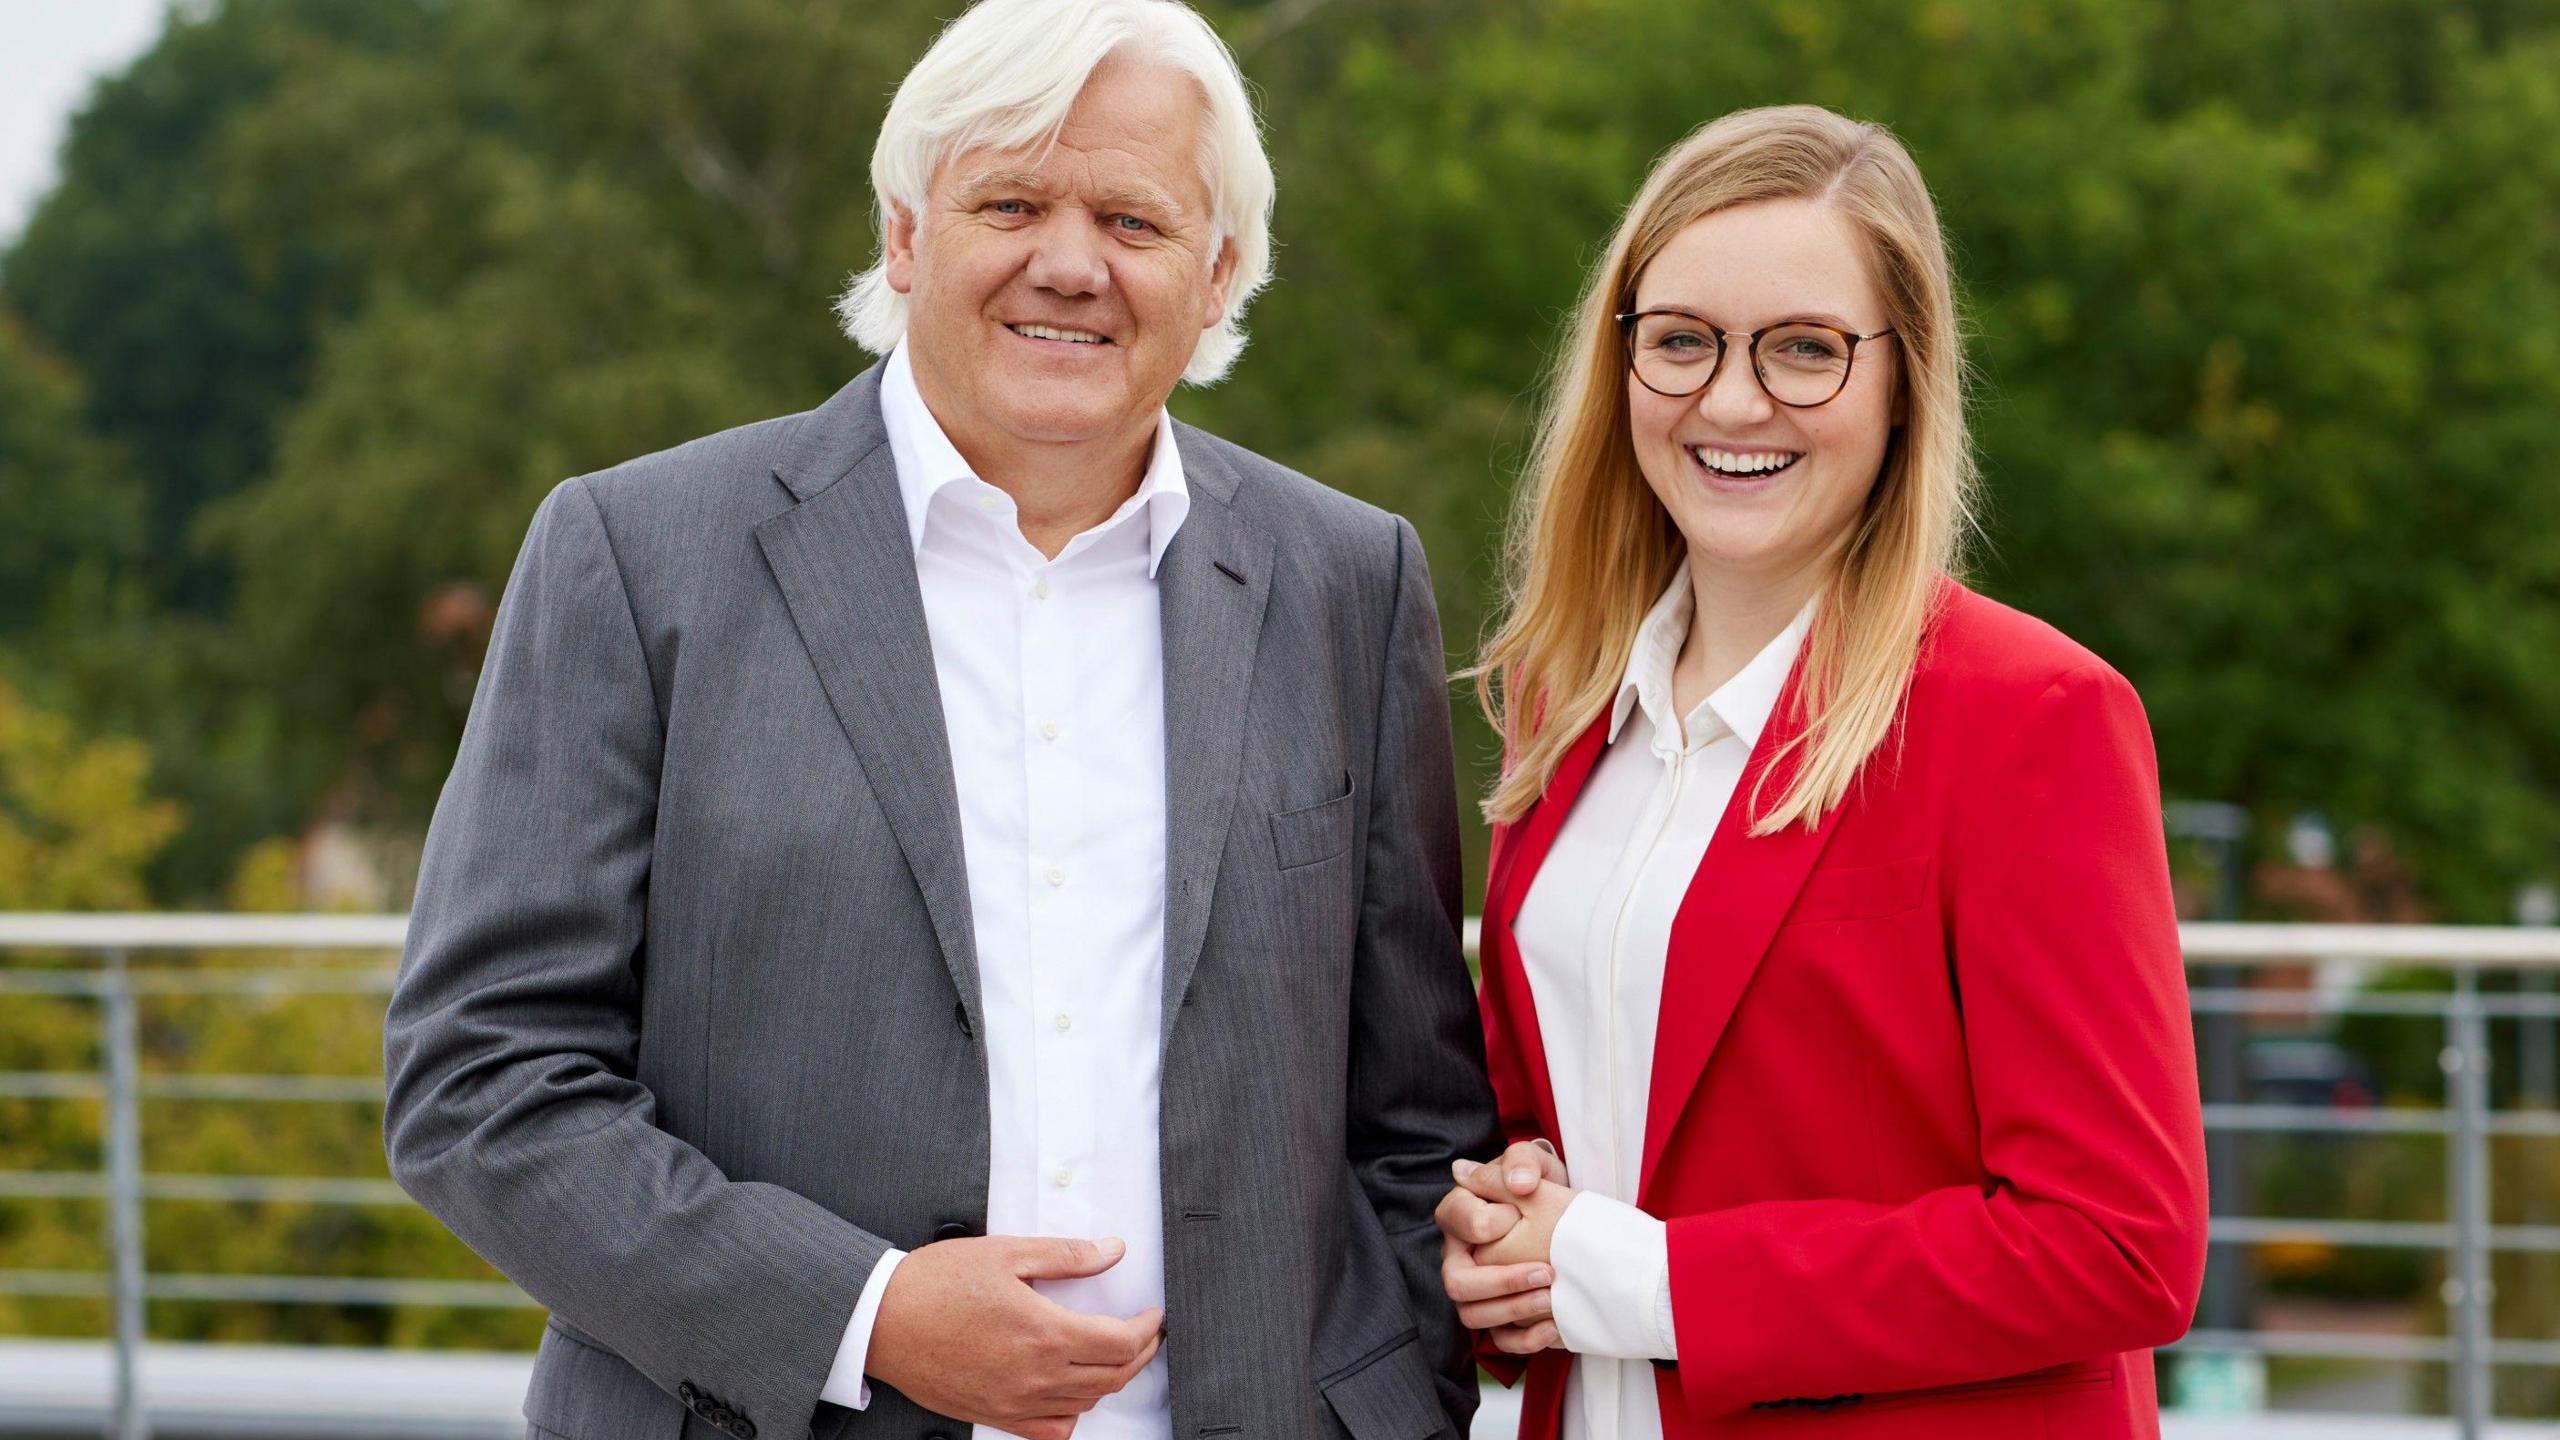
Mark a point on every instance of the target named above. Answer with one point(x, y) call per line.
point(1593, 933)
point(1052, 681)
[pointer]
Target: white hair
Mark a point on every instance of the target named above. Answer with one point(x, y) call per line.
point(1003, 76)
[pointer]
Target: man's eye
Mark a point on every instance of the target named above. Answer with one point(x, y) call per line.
point(1010, 207)
point(1131, 224)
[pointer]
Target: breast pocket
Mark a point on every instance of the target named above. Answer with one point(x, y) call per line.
point(1313, 833)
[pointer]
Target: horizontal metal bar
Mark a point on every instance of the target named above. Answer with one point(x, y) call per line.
point(2360, 1346)
point(202, 931)
point(2387, 1120)
point(2205, 942)
point(2518, 947)
point(2312, 1119)
point(334, 981)
point(81, 1085)
point(321, 1088)
point(303, 1189)
point(51, 1085)
point(2218, 1000)
point(2376, 1234)
point(277, 1289)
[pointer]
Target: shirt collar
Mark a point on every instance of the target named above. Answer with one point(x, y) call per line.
point(928, 463)
point(1741, 705)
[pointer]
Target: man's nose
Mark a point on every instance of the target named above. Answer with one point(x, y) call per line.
point(1066, 256)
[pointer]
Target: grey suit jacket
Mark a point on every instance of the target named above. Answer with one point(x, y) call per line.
point(687, 1032)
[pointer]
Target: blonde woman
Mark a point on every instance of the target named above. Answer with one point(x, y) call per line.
point(1831, 981)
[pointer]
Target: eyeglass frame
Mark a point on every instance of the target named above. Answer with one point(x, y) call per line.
point(1751, 347)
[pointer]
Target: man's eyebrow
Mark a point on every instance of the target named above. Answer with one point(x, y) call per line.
point(988, 180)
point(1140, 196)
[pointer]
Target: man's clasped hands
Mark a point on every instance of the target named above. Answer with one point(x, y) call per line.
point(1497, 1230)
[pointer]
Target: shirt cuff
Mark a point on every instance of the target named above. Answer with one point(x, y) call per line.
point(846, 1384)
point(1612, 1289)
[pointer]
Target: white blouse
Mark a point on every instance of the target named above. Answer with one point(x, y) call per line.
point(1593, 933)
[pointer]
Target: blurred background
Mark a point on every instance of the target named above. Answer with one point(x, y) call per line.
point(316, 298)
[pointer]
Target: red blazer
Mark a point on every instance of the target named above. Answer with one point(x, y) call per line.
point(1924, 1118)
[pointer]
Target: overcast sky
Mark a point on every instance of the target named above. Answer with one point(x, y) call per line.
point(50, 50)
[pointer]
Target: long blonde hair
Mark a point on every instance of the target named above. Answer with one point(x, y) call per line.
point(1590, 549)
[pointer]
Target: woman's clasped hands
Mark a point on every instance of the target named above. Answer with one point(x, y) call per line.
point(1497, 1227)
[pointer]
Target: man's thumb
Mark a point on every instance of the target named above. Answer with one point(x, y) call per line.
point(1070, 1259)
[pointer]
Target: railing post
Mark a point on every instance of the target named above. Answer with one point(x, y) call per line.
point(124, 1197)
point(2467, 1289)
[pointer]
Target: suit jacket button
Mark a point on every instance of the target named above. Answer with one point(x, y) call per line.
point(952, 1230)
point(686, 1392)
point(742, 1427)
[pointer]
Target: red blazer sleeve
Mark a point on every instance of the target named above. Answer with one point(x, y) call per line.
point(2088, 1236)
point(1513, 1095)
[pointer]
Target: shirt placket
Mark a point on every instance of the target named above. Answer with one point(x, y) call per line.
point(1052, 784)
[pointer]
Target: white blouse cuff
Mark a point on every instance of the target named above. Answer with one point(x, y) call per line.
point(1613, 1281)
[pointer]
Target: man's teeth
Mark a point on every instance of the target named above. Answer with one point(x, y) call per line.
point(1052, 332)
point(1732, 462)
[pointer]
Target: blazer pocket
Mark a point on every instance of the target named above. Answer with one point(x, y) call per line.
point(1389, 1397)
point(1315, 832)
point(1861, 892)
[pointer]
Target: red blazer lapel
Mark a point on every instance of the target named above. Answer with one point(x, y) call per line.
point(1725, 924)
point(1519, 848)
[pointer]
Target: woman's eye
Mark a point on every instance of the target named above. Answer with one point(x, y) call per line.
point(1684, 340)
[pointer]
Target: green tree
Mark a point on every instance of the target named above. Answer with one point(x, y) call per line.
point(192, 345)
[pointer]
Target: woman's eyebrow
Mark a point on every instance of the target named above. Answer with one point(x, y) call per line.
point(1818, 317)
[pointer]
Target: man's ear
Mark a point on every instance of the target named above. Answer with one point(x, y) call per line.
point(1222, 275)
point(898, 249)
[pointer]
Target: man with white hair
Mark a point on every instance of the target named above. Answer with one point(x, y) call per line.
point(946, 911)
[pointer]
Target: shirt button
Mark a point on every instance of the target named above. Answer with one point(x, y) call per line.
point(1057, 876)
point(1040, 587)
point(1064, 1178)
point(1063, 1022)
point(1049, 730)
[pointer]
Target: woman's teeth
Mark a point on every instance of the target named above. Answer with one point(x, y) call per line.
point(1732, 462)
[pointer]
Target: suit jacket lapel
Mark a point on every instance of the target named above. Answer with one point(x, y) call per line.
point(1213, 584)
point(846, 565)
point(1724, 926)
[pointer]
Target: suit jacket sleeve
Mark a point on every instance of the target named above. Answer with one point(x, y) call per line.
point(514, 1113)
point(2088, 1235)
point(1418, 1094)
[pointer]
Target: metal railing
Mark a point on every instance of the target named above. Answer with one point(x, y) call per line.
point(2467, 1121)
